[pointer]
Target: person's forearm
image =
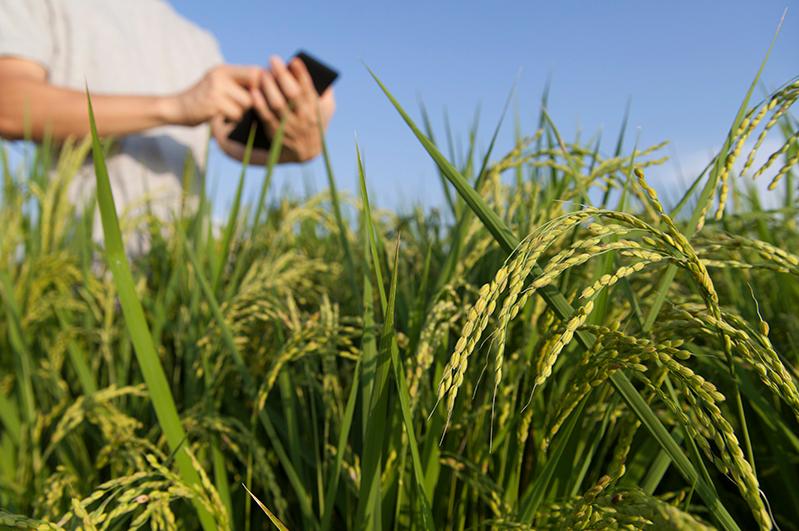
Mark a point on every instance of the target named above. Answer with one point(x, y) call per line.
point(32, 109)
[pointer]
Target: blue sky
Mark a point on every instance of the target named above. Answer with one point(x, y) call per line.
point(684, 65)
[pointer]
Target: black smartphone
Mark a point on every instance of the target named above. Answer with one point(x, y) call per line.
point(322, 76)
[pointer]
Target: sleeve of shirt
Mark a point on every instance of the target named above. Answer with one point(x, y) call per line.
point(26, 31)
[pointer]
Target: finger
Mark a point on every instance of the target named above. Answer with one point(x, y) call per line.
point(327, 105)
point(274, 97)
point(246, 76)
point(240, 95)
point(303, 77)
point(232, 110)
point(285, 80)
point(328, 95)
point(220, 127)
point(262, 109)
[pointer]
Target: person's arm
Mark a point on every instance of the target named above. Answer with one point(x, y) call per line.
point(284, 91)
point(30, 105)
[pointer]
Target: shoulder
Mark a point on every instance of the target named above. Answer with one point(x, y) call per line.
point(203, 39)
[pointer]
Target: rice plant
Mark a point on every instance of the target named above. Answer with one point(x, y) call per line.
point(559, 349)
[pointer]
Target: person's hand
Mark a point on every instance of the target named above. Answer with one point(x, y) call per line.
point(224, 92)
point(288, 91)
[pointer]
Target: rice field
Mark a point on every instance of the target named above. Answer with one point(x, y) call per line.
point(559, 349)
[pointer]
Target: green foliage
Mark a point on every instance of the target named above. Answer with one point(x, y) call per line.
point(359, 368)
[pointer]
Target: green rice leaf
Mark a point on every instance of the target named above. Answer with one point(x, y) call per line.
point(149, 363)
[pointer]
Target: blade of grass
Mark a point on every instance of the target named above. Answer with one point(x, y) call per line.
point(591, 449)
point(368, 345)
point(421, 495)
point(341, 447)
point(79, 363)
point(370, 230)
point(149, 362)
point(272, 518)
point(342, 227)
point(9, 416)
point(233, 217)
point(570, 160)
point(402, 389)
point(290, 426)
point(428, 125)
point(457, 238)
point(658, 467)
point(369, 509)
point(531, 501)
point(220, 477)
point(468, 164)
point(619, 145)
point(405, 408)
point(18, 342)
point(481, 175)
point(274, 155)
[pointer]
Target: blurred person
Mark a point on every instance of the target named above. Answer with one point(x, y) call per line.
point(158, 84)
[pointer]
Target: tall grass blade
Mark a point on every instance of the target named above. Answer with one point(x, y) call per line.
point(233, 217)
point(23, 358)
point(149, 363)
point(428, 125)
point(272, 518)
point(344, 431)
point(532, 500)
point(368, 513)
point(405, 408)
point(342, 226)
point(370, 229)
point(274, 155)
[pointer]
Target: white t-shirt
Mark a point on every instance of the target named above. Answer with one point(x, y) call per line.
point(140, 47)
